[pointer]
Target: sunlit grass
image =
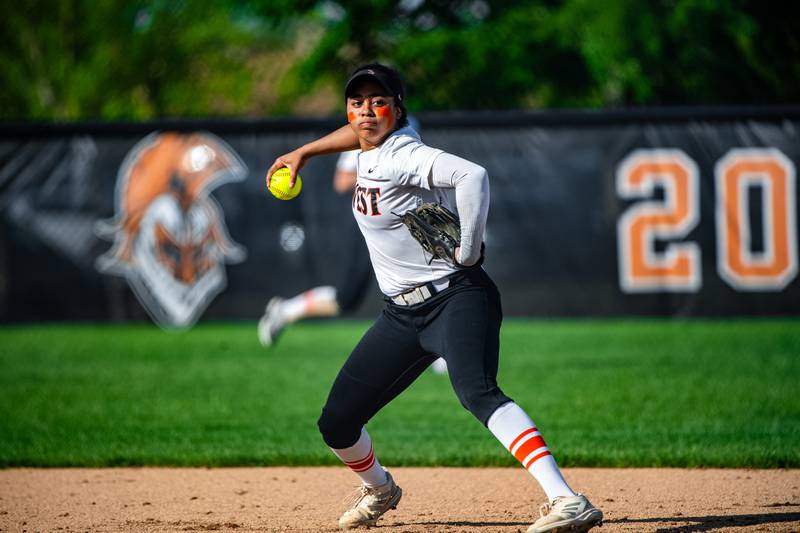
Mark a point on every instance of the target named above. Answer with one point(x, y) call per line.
point(604, 393)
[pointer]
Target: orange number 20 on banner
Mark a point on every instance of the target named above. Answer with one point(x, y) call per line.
point(676, 266)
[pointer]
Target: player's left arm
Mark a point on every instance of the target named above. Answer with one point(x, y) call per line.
point(471, 183)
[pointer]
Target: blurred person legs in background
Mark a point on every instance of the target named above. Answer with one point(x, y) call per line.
point(329, 300)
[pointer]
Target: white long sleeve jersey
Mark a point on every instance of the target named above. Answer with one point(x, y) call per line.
point(396, 177)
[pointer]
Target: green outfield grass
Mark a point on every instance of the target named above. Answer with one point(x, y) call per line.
point(604, 393)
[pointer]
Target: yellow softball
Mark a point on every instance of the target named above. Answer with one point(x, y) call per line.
point(279, 185)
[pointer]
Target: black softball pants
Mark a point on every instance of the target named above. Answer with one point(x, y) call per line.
point(461, 324)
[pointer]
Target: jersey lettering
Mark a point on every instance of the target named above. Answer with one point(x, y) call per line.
point(738, 262)
point(364, 206)
point(374, 193)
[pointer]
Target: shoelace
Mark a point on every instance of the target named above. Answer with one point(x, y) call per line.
point(547, 507)
point(356, 496)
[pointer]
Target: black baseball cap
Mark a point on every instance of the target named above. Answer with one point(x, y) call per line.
point(387, 77)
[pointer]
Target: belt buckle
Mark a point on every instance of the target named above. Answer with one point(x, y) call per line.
point(418, 294)
point(415, 297)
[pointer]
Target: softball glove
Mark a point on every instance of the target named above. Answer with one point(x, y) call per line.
point(436, 229)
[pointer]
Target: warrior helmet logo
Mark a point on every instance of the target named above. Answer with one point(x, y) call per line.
point(169, 236)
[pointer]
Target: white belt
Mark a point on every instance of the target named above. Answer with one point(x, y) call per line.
point(420, 294)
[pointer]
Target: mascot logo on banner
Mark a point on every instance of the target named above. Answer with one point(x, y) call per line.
point(169, 234)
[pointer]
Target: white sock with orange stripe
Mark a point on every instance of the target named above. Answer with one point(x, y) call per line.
point(517, 432)
point(360, 458)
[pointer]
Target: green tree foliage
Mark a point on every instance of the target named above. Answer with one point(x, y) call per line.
point(136, 59)
point(477, 54)
point(684, 51)
point(83, 59)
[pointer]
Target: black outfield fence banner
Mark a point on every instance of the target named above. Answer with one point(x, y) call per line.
point(665, 212)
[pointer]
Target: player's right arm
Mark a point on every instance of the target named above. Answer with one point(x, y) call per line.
point(340, 140)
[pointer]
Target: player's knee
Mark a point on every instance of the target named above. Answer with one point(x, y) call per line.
point(337, 429)
point(483, 402)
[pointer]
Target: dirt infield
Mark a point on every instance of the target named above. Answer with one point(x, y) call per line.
point(435, 499)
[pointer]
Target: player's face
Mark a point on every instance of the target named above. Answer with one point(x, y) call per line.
point(372, 114)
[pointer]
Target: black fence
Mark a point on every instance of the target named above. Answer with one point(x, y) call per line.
point(681, 212)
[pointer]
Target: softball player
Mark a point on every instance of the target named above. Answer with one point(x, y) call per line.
point(433, 308)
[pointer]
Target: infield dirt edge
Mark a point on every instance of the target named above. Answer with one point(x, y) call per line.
point(435, 499)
